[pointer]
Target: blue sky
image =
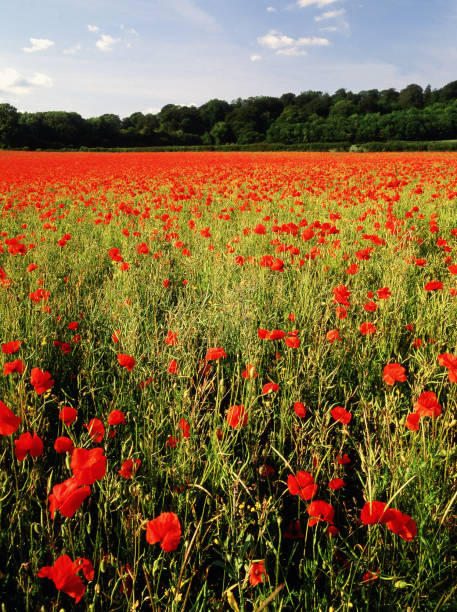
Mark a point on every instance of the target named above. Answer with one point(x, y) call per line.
point(108, 56)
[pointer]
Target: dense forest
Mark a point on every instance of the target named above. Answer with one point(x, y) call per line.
point(413, 113)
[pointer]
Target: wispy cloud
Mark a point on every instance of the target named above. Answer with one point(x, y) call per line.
point(188, 10)
point(93, 28)
point(330, 15)
point(255, 57)
point(38, 44)
point(318, 3)
point(72, 50)
point(286, 45)
point(106, 42)
point(271, 9)
point(13, 82)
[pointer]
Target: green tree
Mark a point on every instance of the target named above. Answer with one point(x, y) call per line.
point(9, 123)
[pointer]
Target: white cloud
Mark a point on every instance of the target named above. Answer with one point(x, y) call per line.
point(151, 110)
point(329, 15)
point(93, 28)
point(271, 9)
point(319, 3)
point(132, 31)
point(329, 29)
point(13, 82)
point(255, 57)
point(38, 44)
point(291, 51)
point(275, 40)
point(106, 42)
point(72, 50)
point(286, 45)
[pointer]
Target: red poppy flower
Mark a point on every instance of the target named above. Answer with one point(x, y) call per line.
point(116, 417)
point(341, 415)
point(263, 334)
point(342, 459)
point(320, 511)
point(64, 575)
point(393, 372)
point(41, 381)
point(433, 285)
point(67, 497)
point(173, 367)
point(370, 307)
point(9, 422)
point(249, 372)
point(11, 347)
point(88, 465)
point(213, 354)
point(129, 467)
point(165, 529)
point(367, 328)
point(73, 325)
point(427, 404)
point(369, 577)
point(300, 409)
point(402, 525)
point(412, 421)
point(383, 293)
point(171, 339)
point(63, 445)
point(276, 334)
point(126, 361)
point(270, 388)
point(336, 483)
point(185, 428)
point(341, 295)
point(376, 512)
point(96, 430)
point(292, 341)
point(68, 415)
point(171, 442)
point(302, 484)
point(13, 366)
point(341, 312)
point(115, 336)
point(237, 416)
point(332, 335)
point(26, 443)
point(257, 572)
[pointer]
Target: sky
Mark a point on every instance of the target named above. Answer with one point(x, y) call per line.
point(111, 56)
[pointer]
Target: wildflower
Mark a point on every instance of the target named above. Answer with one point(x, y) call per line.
point(126, 361)
point(63, 445)
point(26, 443)
point(41, 381)
point(96, 430)
point(165, 529)
point(13, 366)
point(88, 465)
point(300, 409)
point(116, 417)
point(67, 497)
point(340, 414)
point(213, 354)
point(11, 347)
point(270, 388)
point(64, 574)
point(302, 484)
point(237, 416)
point(393, 372)
point(68, 415)
point(9, 422)
point(129, 467)
point(257, 572)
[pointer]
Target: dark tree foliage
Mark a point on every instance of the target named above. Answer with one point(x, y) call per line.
point(311, 116)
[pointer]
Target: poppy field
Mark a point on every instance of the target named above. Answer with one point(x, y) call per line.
point(228, 381)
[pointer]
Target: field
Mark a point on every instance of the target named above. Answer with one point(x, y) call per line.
point(228, 381)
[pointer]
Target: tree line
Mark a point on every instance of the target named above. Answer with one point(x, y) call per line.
point(413, 113)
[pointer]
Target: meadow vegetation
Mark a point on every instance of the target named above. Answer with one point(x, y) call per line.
point(229, 381)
